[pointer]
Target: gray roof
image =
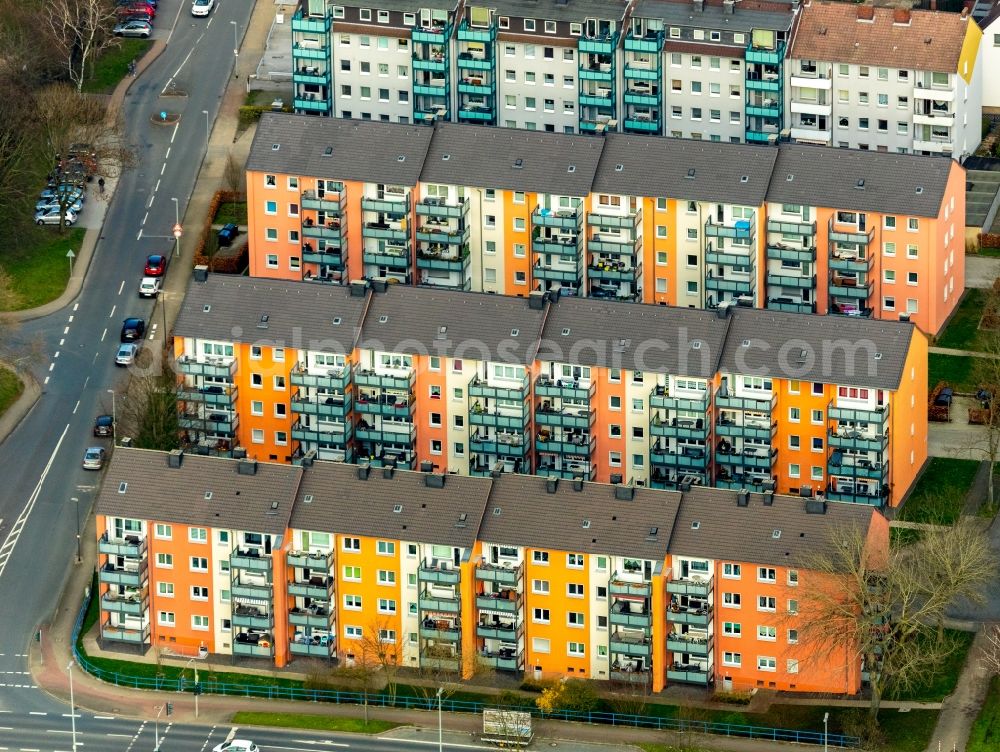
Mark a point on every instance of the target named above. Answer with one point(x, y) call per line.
point(363, 150)
point(713, 16)
point(154, 491)
point(343, 503)
point(486, 158)
point(822, 176)
point(746, 534)
point(478, 326)
point(295, 310)
point(402, 6)
point(657, 338)
point(656, 166)
point(529, 516)
point(571, 10)
point(839, 349)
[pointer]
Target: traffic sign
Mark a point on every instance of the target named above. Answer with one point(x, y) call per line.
point(178, 230)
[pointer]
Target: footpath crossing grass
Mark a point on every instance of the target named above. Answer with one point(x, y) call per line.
point(939, 494)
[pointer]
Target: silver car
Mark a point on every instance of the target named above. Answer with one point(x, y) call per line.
point(126, 354)
point(51, 216)
point(93, 458)
point(50, 203)
point(134, 28)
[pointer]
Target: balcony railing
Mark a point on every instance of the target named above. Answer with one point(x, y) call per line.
point(311, 617)
point(247, 588)
point(217, 368)
point(690, 675)
point(698, 588)
point(251, 560)
point(329, 202)
point(395, 381)
point(764, 403)
point(311, 647)
point(428, 601)
point(439, 575)
point(695, 617)
point(741, 229)
point(567, 389)
point(131, 605)
point(134, 577)
point(317, 587)
point(678, 642)
point(334, 379)
point(566, 417)
point(619, 585)
point(480, 388)
point(131, 546)
point(622, 616)
point(251, 618)
point(124, 634)
point(260, 649)
point(314, 561)
point(214, 395)
point(658, 398)
point(504, 601)
point(562, 219)
point(625, 643)
point(508, 632)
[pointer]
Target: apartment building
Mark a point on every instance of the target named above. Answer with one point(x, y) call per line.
point(886, 79)
point(470, 383)
point(627, 217)
point(509, 572)
point(991, 57)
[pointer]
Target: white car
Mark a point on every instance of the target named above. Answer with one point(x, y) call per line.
point(202, 7)
point(149, 287)
point(126, 354)
point(50, 216)
point(236, 745)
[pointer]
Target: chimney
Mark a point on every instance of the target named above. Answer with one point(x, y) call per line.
point(965, 12)
point(616, 479)
point(358, 288)
point(722, 311)
point(427, 466)
point(901, 17)
point(904, 316)
point(380, 284)
point(933, 4)
point(769, 499)
point(728, 7)
point(175, 458)
point(239, 453)
point(247, 467)
point(684, 486)
point(815, 506)
point(434, 480)
point(699, 5)
point(867, 12)
point(806, 492)
point(536, 300)
point(200, 273)
point(743, 498)
point(624, 493)
point(309, 458)
point(551, 485)
point(387, 471)
point(363, 471)
point(578, 483)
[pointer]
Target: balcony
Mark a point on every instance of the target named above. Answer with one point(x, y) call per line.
point(502, 660)
point(848, 287)
point(850, 493)
point(695, 617)
point(334, 407)
point(502, 575)
point(435, 87)
point(598, 45)
point(250, 560)
point(615, 221)
point(504, 601)
point(844, 437)
point(440, 662)
point(249, 617)
point(581, 446)
point(437, 207)
point(735, 285)
point(943, 145)
point(859, 237)
point(562, 275)
point(432, 34)
point(794, 281)
point(622, 616)
point(781, 252)
point(216, 367)
point(631, 676)
point(850, 467)
point(696, 588)
point(762, 404)
point(767, 83)
point(214, 395)
point(762, 431)
point(262, 648)
point(335, 259)
point(561, 219)
point(791, 228)
point(314, 561)
point(501, 444)
point(730, 257)
point(132, 576)
point(467, 61)
point(398, 233)
point(131, 546)
point(314, 617)
point(123, 633)
point(764, 111)
point(510, 420)
point(597, 98)
point(478, 112)
point(506, 631)
point(396, 204)
point(454, 263)
point(309, 103)
point(314, 24)
point(761, 459)
point(765, 56)
point(391, 432)
point(877, 416)
point(636, 125)
point(557, 244)
point(684, 457)
point(613, 271)
point(429, 630)
point(690, 675)
point(386, 405)
point(209, 421)
point(566, 389)
point(327, 202)
point(305, 51)
point(790, 305)
point(393, 381)
point(314, 647)
point(251, 588)
point(566, 417)
point(130, 605)
point(317, 587)
point(624, 643)
point(658, 398)
point(333, 234)
point(679, 642)
point(444, 604)
point(843, 261)
point(741, 229)
point(479, 387)
point(326, 433)
point(633, 588)
point(439, 575)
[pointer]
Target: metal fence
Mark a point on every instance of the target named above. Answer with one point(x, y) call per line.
point(277, 692)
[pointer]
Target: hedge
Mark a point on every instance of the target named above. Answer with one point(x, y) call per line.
point(250, 113)
point(989, 240)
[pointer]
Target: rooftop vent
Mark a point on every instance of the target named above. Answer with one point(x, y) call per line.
point(578, 483)
point(624, 493)
point(175, 458)
point(744, 178)
point(743, 498)
point(815, 506)
point(551, 485)
point(565, 331)
point(919, 189)
point(463, 518)
point(247, 467)
point(878, 356)
point(696, 344)
point(264, 318)
point(328, 151)
point(427, 466)
point(616, 478)
point(690, 173)
point(571, 168)
point(337, 320)
point(684, 485)
point(383, 319)
point(518, 164)
point(619, 168)
point(514, 332)
point(208, 495)
point(275, 147)
point(206, 308)
point(401, 158)
point(496, 511)
point(536, 300)
point(445, 157)
point(805, 492)
point(363, 472)
point(358, 288)
point(860, 185)
point(434, 480)
point(769, 499)
point(387, 472)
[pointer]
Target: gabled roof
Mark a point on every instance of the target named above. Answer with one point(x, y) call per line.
point(477, 326)
point(511, 159)
point(571, 10)
point(522, 512)
point(859, 180)
point(338, 498)
point(829, 350)
point(694, 170)
point(202, 492)
point(368, 151)
point(726, 531)
point(890, 37)
point(592, 332)
point(230, 309)
point(746, 16)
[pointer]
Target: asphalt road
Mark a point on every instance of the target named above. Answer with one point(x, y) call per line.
point(40, 463)
point(52, 732)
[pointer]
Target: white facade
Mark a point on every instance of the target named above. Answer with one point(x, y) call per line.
point(990, 51)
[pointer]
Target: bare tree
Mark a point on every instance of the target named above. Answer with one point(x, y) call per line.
point(360, 673)
point(380, 645)
point(986, 371)
point(147, 411)
point(885, 606)
point(990, 657)
point(70, 123)
point(79, 31)
point(630, 699)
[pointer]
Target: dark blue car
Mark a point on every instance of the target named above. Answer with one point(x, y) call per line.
point(228, 234)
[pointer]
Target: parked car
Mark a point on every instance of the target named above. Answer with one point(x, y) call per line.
point(228, 234)
point(156, 265)
point(149, 287)
point(138, 25)
point(202, 7)
point(53, 203)
point(69, 190)
point(236, 745)
point(104, 425)
point(126, 354)
point(52, 217)
point(944, 397)
point(132, 328)
point(93, 458)
point(136, 6)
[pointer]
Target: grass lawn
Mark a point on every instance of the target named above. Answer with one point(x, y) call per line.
point(38, 265)
point(941, 684)
point(231, 212)
point(957, 370)
point(314, 722)
point(988, 252)
point(940, 491)
point(112, 66)
point(985, 734)
point(10, 389)
point(962, 332)
point(908, 732)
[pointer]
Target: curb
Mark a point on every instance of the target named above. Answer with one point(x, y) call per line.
point(12, 417)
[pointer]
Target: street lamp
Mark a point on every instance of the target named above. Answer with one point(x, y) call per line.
point(178, 230)
point(196, 688)
point(440, 694)
point(114, 419)
point(76, 501)
point(72, 705)
point(236, 47)
point(826, 719)
point(208, 128)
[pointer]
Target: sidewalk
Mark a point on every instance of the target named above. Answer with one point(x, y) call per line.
point(962, 705)
point(961, 353)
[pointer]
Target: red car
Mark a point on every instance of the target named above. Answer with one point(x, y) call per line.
point(156, 266)
point(136, 7)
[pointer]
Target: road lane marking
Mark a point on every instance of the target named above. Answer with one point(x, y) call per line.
point(167, 156)
point(70, 319)
point(66, 330)
point(61, 341)
point(46, 382)
point(51, 366)
point(178, 125)
point(104, 334)
point(125, 736)
point(57, 354)
point(137, 237)
point(6, 728)
point(39, 712)
point(112, 310)
point(121, 287)
point(157, 187)
point(183, 63)
point(77, 407)
point(144, 218)
point(108, 718)
point(163, 168)
point(75, 307)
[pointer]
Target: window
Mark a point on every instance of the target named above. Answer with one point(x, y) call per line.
point(540, 615)
point(574, 590)
point(766, 603)
point(574, 619)
point(165, 561)
point(732, 571)
point(385, 548)
point(386, 606)
point(911, 278)
point(199, 564)
point(352, 633)
point(270, 207)
point(731, 629)
point(912, 224)
point(166, 589)
point(540, 645)
point(352, 544)
point(793, 577)
point(165, 618)
point(576, 649)
point(766, 574)
point(574, 561)
point(732, 600)
point(769, 634)
point(386, 577)
point(732, 659)
point(540, 586)
point(199, 593)
point(540, 557)
point(163, 532)
point(766, 663)
point(352, 602)
point(352, 574)
point(793, 636)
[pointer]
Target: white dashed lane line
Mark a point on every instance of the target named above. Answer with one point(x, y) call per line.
point(121, 287)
